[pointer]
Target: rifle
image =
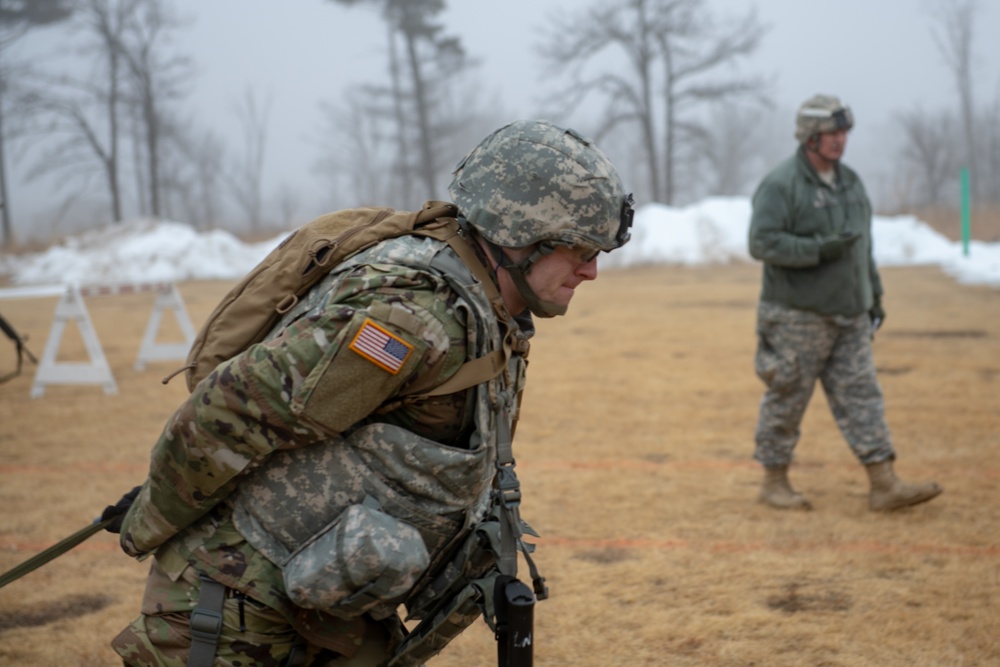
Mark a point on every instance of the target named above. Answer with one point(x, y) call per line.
point(110, 520)
point(21, 348)
point(515, 622)
point(56, 550)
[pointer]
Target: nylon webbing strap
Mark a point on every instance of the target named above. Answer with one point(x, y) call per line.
point(487, 367)
point(56, 550)
point(448, 233)
point(206, 622)
point(508, 489)
point(471, 373)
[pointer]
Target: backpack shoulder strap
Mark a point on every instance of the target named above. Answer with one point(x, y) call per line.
point(485, 368)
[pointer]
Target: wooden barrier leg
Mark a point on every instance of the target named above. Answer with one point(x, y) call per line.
point(150, 350)
point(72, 309)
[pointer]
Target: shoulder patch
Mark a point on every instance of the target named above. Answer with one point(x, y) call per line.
point(381, 347)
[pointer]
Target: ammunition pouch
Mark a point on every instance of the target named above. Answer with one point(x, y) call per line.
point(363, 559)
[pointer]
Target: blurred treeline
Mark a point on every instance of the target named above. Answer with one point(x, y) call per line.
point(661, 85)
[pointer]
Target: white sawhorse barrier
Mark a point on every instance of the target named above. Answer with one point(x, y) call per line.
point(71, 308)
point(166, 299)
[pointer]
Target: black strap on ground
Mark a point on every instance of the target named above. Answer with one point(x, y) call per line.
point(54, 551)
point(22, 350)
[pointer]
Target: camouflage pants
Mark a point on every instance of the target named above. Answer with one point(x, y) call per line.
point(794, 349)
point(254, 635)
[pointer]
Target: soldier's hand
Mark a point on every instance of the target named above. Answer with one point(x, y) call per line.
point(832, 247)
point(118, 511)
point(877, 314)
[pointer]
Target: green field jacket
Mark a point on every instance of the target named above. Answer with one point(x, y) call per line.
point(793, 209)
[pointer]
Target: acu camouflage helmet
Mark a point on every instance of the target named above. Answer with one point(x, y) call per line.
point(822, 113)
point(532, 182)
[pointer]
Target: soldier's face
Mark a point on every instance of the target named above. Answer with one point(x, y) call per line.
point(555, 277)
point(832, 144)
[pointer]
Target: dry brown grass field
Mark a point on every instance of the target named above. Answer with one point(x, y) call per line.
point(634, 451)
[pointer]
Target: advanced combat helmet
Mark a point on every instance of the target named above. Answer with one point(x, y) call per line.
point(534, 184)
point(531, 182)
point(822, 113)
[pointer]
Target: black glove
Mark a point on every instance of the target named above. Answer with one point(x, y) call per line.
point(832, 247)
point(118, 511)
point(877, 313)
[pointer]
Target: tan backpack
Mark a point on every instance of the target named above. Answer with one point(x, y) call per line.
point(274, 286)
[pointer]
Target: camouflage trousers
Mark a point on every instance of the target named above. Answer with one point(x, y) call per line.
point(252, 633)
point(794, 349)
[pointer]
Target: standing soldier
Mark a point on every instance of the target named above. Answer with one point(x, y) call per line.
point(820, 304)
point(338, 469)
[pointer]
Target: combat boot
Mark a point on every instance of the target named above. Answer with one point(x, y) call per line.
point(890, 493)
point(777, 492)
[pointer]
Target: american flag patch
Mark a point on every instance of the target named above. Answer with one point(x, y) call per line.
point(380, 347)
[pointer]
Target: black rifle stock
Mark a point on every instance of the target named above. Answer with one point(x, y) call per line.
point(515, 622)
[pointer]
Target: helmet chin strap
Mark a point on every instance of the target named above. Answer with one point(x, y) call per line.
point(519, 271)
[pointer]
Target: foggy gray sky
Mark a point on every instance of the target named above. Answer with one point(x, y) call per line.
point(878, 55)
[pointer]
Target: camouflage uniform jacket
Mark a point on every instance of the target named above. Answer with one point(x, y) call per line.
point(793, 209)
point(302, 386)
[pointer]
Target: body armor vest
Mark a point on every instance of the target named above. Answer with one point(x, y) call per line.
point(369, 518)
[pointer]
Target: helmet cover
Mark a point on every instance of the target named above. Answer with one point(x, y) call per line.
point(532, 181)
point(822, 113)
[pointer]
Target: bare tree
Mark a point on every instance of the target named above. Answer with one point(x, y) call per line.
point(423, 63)
point(245, 178)
point(117, 114)
point(192, 177)
point(356, 151)
point(23, 14)
point(954, 32)
point(157, 79)
point(664, 57)
point(86, 111)
point(930, 153)
point(16, 18)
point(732, 148)
point(288, 205)
point(402, 167)
point(991, 147)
